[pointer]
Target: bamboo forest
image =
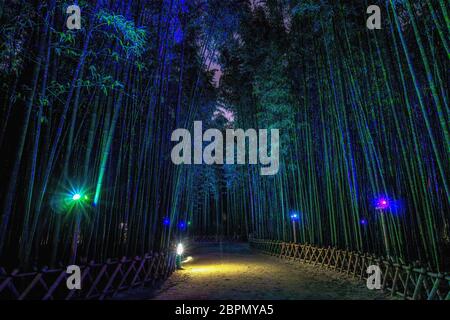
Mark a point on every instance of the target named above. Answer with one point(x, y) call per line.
point(92, 93)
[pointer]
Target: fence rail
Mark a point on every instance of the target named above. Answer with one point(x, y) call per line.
point(404, 281)
point(99, 280)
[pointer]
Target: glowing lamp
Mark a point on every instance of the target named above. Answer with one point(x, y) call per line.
point(76, 197)
point(182, 225)
point(166, 221)
point(180, 249)
point(382, 203)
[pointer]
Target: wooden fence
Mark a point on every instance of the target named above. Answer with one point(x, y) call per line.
point(399, 280)
point(99, 280)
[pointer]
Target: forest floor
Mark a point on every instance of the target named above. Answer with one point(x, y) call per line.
point(232, 271)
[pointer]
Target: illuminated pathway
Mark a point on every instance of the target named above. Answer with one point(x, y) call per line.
point(233, 271)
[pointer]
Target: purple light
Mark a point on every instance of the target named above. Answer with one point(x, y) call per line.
point(382, 203)
point(363, 222)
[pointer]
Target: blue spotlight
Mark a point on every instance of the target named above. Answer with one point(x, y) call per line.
point(166, 221)
point(295, 216)
point(182, 225)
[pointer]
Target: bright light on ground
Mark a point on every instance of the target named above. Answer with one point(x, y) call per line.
point(218, 269)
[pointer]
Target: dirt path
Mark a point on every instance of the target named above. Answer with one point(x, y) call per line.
point(234, 272)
